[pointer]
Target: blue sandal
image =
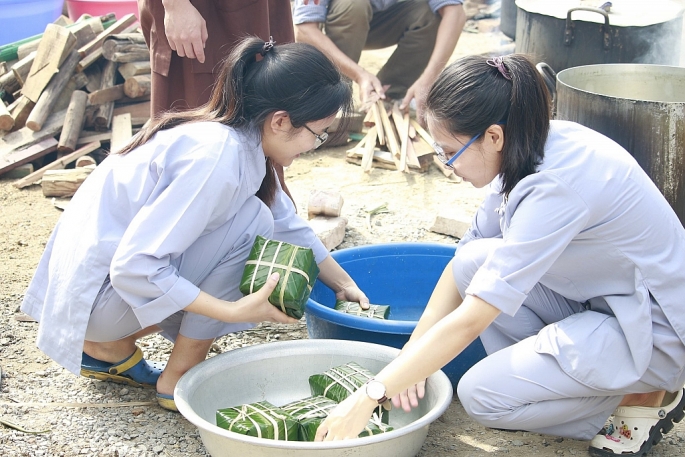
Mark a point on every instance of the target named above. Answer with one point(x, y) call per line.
point(166, 401)
point(134, 370)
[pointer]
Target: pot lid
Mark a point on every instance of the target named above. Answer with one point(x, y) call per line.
point(623, 13)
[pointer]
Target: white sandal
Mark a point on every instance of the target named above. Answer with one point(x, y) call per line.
point(637, 428)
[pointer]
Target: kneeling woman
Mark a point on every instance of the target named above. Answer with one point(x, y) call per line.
point(572, 274)
point(157, 237)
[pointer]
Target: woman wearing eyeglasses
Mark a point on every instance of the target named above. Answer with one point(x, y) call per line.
point(572, 275)
point(157, 237)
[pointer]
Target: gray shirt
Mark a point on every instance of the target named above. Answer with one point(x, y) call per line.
point(136, 213)
point(593, 227)
point(317, 13)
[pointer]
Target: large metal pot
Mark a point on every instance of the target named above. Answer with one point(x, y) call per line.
point(642, 108)
point(570, 33)
point(507, 21)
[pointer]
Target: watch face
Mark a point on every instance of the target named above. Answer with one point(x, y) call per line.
point(375, 390)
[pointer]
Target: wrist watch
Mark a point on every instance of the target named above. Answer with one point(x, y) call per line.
point(376, 391)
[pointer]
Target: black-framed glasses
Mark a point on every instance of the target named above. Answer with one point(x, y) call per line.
point(320, 138)
point(448, 162)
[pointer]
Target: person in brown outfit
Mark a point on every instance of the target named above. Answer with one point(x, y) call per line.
point(189, 40)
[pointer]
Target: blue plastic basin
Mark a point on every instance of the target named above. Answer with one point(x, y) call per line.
point(25, 18)
point(401, 275)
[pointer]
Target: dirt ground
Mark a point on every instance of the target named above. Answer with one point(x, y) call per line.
point(28, 377)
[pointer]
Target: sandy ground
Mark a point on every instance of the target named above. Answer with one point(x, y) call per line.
point(28, 377)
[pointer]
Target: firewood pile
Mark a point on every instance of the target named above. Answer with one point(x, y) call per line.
point(395, 141)
point(73, 94)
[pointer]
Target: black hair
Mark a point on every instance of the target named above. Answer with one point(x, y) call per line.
point(472, 94)
point(255, 82)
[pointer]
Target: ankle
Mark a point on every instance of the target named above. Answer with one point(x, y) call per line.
point(111, 351)
point(651, 399)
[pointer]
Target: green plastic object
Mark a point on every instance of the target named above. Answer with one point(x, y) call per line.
point(261, 420)
point(355, 309)
point(312, 411)
point(297, 268)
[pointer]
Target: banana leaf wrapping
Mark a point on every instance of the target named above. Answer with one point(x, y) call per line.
point(312, 411)
point(374, 311)
point(339, 382)
point(298, 271)
point(261, 419)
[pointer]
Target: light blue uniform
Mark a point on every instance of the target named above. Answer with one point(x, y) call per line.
point(586, 261)
point(181, 203)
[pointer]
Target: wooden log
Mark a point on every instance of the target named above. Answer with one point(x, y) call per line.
point(6, 119)
point(73, 122)
point(140, 112)
point(15, 159)
point(111, 94)
point(118, 27)
point(324, 203)
point(63, 183)
point(137, 86)
point(51, 92)
point(130, 69)
point(122, 132)
point(103, 114)
point(26, 137)
point(85, 161)
point(125, 48)
point(54, 48)
point(20, 110)
point(57, 164)
point(76, 82)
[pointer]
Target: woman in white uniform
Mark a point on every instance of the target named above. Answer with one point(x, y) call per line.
point(572, 274)
point(156, 238)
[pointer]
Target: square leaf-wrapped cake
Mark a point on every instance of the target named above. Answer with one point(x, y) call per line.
point(261, 419)
point(297, 268)
point(374, 311)
point(312, 411)
point(339, 382)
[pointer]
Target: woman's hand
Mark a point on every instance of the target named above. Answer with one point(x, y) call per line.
point(410, 398)
point(185, 29)
point(348, 419)
point(256, 307)
point(354, 294)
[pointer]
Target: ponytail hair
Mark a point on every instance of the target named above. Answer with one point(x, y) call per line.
point(256, 80)
point(475, 92)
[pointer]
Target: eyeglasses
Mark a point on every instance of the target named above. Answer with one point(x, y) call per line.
point(448, 162)
point(320, 139)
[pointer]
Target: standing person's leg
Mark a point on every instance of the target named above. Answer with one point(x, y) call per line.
point(347, 25)
point(413, 27)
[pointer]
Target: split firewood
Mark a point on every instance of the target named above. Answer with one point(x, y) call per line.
point(137, 86)
point(85, 161)
point(103, 114)
point(89, 136)
point(56, 165)
point(110, 94)
point(130, 69)
point(125, 48)
point(84, 31)
point(378, 122)
point(15, 159)
point(118, 27)
point(89, 60)
point(94, 74)
point(422, 132)
point(64, 183)
point(367, 155)
point(54, 48)
point(140, 112)
point(6, 119)
point(122, 131)
point(26, 137)
point(47, 99)
point(20, 110)
point(3, 68)
point(22, 67)
point(76, 82)
point(324, 203)
point(368, 119)
point(73, 122)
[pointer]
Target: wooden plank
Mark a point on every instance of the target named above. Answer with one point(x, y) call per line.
point(422, 132)
point(6, 119)
point(412, 159)
point(64, 183)
point(140, 112)
point(404, 138)
point(103, 114)
point(377, 121)
point(54, 47)
point(367, 155)
point(118, 27)
point(73, 122)
point(390, 135)
point(121, 132)
point(57, 164)
point(88, 136)
point(134, 69)
point(110, 94)
point(89, 60)
point(16, 159)
point(26, 137)
point(51, 93)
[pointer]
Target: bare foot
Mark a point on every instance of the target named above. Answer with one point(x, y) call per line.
point(652, 399)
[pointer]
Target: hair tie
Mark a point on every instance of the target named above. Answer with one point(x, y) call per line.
point(268, 45)
point(498, 62)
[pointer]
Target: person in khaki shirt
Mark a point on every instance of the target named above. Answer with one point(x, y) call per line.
point(425, 32)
